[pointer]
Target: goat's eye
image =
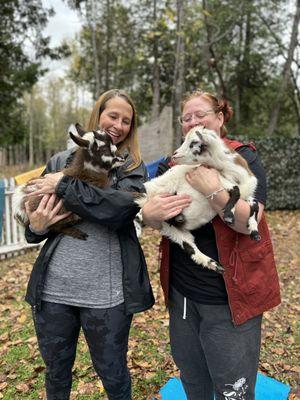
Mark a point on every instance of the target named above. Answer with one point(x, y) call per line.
point(193, 143)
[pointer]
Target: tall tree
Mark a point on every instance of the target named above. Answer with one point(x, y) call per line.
point(156, 71)
point(178, 85)
point(286, 73)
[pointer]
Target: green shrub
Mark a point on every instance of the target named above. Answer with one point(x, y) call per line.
point(280, 157)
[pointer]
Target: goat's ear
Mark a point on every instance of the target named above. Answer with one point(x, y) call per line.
point(79, 141)
point(80, 129)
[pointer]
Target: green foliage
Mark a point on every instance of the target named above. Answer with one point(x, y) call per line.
point(280, 158)
point(54, 107)
point(22, 47)
point(233, 48)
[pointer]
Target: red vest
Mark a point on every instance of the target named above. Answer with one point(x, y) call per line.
point(250, 273)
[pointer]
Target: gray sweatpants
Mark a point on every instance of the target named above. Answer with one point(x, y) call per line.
point(214, 356)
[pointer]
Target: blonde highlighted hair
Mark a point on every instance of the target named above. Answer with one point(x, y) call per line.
point(217, 104)
point(131, 141)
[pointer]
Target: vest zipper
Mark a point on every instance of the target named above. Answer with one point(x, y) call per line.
point(229, 304)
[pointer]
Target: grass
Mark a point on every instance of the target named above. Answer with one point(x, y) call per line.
point(149, 359)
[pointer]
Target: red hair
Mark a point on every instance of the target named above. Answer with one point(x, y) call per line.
point(217, 104)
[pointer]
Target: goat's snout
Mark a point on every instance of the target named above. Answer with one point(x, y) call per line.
point(118, 162)
point(175, 157)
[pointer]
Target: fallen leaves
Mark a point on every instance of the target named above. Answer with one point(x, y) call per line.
point(149, 359)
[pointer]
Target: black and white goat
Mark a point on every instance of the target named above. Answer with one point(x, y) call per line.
point(203, 146)
point(95, 157)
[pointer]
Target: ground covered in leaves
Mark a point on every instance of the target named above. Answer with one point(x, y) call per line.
point(21, 368)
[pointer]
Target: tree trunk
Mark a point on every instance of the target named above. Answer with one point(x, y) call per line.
point(178, 86)
point(156, 73)
point(286, 72)
point(95, 49)
point(213, 60)
point(31, 128)
point(108, 40)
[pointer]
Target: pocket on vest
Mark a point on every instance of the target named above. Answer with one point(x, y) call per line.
point(257, 266)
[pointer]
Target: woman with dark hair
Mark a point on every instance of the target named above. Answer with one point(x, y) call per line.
point(95, 284)
point(215, 320)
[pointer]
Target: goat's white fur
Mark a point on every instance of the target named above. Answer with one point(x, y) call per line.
point(200, 212)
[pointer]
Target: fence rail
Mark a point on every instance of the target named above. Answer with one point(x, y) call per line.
point(13, 240)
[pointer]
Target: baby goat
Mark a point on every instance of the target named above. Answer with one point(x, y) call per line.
point(92, 162)
point(203, 146)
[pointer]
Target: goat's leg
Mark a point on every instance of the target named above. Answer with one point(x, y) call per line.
point(186, 241)
point(252, 221)
point(72, 231)
point(234, 196)
point(66, 227)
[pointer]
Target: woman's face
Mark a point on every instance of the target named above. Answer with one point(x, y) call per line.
point(198, 111)
point(116, 119)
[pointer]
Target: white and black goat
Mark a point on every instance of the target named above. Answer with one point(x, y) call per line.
point(95, 157)
point(203, 146)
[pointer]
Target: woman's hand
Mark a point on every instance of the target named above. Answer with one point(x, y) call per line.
point(43, 185)
point(46, 214)
point(204, 179)
point(163, 207)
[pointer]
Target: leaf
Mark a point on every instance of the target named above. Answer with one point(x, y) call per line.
point(23, 387)
point(22, 319)
point(206, 13)
point(3, 385)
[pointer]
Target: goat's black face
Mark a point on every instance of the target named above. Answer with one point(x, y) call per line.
point(103, 152)
point(100, 152)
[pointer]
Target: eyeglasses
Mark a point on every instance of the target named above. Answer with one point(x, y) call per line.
point(198, 115)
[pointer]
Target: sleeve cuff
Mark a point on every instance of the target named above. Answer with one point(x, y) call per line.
point(40, 233)
point(62, 185)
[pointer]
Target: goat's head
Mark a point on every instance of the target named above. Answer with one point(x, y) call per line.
point(197, 148)
point(100, 152)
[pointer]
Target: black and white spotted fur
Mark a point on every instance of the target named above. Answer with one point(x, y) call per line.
point(92, 162)
point(203, 146)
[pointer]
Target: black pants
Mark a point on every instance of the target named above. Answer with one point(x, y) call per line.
point(106, 331)
point(215, 357)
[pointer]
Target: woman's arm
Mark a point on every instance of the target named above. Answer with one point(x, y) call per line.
point(163, 206)
point(206, 180)
point(107, 206)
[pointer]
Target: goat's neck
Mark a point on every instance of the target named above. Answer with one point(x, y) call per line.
point(82, 165)
point(221, 157)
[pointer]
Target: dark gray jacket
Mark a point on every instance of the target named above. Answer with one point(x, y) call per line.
point(113, 207)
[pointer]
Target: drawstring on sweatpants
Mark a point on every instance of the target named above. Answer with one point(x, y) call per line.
point(184, 308)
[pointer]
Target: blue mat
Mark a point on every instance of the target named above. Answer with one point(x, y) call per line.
point(2, 200)
point(266, 389)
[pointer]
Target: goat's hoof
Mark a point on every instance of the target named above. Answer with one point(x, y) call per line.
point(82, 236)
point(216, 266)
point(229, 219)
point(255, 236)
point(220, 268)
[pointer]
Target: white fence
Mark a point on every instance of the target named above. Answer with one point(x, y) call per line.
point(13, 241)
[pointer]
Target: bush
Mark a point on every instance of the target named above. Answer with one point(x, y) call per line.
point(281, 159)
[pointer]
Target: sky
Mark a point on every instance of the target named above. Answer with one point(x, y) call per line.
point(63, 25)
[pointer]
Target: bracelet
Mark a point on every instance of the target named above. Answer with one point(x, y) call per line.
point(213, 194)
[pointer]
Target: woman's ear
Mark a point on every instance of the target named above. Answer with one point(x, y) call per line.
point(220, 117)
